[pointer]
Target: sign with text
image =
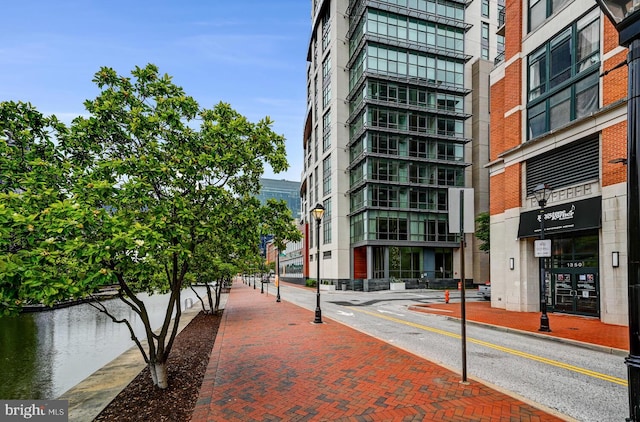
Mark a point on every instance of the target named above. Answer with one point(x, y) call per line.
point(542, 248)
point(34, 410)
point(563, 218)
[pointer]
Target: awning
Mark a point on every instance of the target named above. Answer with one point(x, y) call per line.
point(569, 217)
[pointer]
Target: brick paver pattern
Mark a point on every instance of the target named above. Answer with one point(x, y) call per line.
point(572, 327)
point(271, 363)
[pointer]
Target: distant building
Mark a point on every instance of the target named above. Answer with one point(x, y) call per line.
point(291, 259)
point(281, 190)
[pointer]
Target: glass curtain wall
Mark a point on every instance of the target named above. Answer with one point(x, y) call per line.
point(406, 131)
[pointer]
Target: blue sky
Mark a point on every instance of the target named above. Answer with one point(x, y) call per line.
point(249, 53)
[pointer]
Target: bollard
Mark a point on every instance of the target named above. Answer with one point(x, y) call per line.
point(446, 296)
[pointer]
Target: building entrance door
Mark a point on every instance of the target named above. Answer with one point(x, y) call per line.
point(575, 291)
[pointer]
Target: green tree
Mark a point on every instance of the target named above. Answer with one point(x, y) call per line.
point(33, 183)
point(144, 174)
point(482, 231)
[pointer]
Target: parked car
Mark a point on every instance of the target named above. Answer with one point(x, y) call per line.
point(484, 290)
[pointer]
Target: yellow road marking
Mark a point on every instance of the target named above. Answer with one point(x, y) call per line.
point(514, 352)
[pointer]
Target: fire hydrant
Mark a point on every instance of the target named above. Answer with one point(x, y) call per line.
point(446, 296)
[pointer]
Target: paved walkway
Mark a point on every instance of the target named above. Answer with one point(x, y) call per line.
point(271, 363)
point(589, 331)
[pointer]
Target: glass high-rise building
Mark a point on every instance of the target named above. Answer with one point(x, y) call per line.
point(397, 113)
point(286, 190)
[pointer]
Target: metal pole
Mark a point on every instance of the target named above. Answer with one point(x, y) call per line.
point(544, 318)
point(633, 229)
point(278, 275)
point(463, 311)
point(318, 318)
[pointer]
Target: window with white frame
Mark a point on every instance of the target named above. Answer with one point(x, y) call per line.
point(539, 10)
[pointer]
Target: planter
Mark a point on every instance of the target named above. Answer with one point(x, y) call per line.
point(396, 286)
point(328, 287)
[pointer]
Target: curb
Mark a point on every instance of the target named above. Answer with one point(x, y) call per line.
point(90, 396)
point(577, 343)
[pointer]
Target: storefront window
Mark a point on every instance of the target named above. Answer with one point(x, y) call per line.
point(575, 251)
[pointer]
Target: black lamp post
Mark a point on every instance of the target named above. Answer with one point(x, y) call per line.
point(542, 193)
point(277, 274)
point(318, 212)
point(625, 16)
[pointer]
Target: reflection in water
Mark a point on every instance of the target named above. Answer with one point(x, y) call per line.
point(44, 354)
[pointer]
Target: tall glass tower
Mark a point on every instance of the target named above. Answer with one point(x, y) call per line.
point(389, 130)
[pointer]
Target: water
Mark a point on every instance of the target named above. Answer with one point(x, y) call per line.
point(43, 354)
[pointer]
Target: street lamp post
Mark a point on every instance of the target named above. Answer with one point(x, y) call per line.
point(542, 193)
point(625, 16)
point(277, 275)
point(318, 212)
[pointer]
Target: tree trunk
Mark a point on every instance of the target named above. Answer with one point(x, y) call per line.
point(210, 298)
point(159, 374)
point(152, 372)
point(217, 292)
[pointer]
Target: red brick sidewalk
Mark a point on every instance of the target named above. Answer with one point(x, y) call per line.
point(572, 327)
point(271, 363)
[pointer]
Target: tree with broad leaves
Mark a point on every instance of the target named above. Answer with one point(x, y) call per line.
point(127, 196)
point(482, 231)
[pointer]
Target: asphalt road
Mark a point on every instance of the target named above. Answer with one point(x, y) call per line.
point(585, 384)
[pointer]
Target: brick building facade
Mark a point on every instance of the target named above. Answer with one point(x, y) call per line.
point(558, 118)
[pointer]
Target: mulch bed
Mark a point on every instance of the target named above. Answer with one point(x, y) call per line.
point(188, 360)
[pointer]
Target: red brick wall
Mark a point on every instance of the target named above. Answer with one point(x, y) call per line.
point(614, 145)
point(615, 83)
point(305, 252)
point(496, 137)
point(512, 186)
point(512, 130)
point(506, 132)
point(610, 38)
point(504, 190)
point(496, 194)
point(614, 88)
point(513, 28)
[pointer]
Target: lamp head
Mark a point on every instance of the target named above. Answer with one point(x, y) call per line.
point(625, 17)
point(542, 193)
point(318, 212)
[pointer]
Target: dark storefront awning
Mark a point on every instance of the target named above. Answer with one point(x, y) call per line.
point(569, 217)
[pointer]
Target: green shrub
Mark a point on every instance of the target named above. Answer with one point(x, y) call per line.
point(310, 283)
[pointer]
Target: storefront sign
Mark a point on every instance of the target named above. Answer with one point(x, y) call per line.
point(542, 248)
point(569, 217)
